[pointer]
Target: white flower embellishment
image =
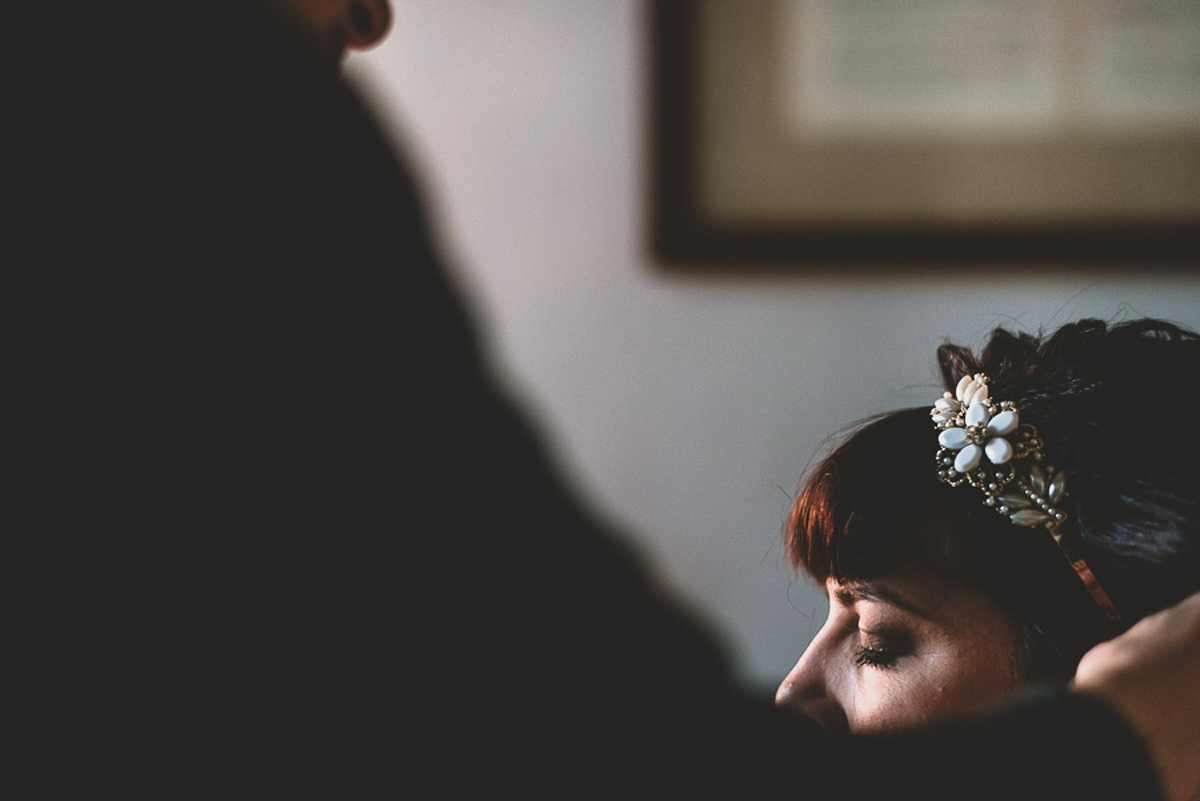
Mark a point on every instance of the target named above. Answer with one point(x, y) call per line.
point(980, 430)
point(982, 441)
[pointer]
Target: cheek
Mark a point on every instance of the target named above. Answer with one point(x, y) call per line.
point(890, 699)
point(978, 675)
point(941, 683)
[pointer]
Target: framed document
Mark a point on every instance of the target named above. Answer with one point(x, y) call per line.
point(920, 131)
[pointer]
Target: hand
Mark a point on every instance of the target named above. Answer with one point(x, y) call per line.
point(1151, 674)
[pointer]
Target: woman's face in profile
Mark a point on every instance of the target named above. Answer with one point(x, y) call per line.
point(903, 650)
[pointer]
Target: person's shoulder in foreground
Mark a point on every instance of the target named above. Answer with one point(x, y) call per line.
point(304, 530)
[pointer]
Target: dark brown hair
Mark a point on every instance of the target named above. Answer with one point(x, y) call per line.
point(1113, 406)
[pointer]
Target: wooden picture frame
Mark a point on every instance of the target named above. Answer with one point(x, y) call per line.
point(757, 159)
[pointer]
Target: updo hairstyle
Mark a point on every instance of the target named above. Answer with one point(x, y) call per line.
point(1113, 405)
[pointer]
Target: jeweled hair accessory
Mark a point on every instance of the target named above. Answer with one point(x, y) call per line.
point(985, 444)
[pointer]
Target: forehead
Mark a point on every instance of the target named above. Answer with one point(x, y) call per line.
point(882, 591)
point(920, 593)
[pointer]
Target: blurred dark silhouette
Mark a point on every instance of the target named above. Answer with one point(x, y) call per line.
point(286, 536)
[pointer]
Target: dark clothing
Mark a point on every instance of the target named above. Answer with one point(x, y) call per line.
point(290, 537)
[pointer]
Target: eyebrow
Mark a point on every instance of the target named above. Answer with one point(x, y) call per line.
point(851, 592)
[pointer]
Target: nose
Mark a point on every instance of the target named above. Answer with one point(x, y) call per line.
point(365, 23)
point(808, 689)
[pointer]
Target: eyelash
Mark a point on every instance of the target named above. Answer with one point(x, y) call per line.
point(882, 657)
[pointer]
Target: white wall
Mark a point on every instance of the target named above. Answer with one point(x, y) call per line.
point(686, 406)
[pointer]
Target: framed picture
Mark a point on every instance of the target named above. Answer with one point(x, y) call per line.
point(921, 131)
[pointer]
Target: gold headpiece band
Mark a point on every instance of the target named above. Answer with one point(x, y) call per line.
point(984, 444)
